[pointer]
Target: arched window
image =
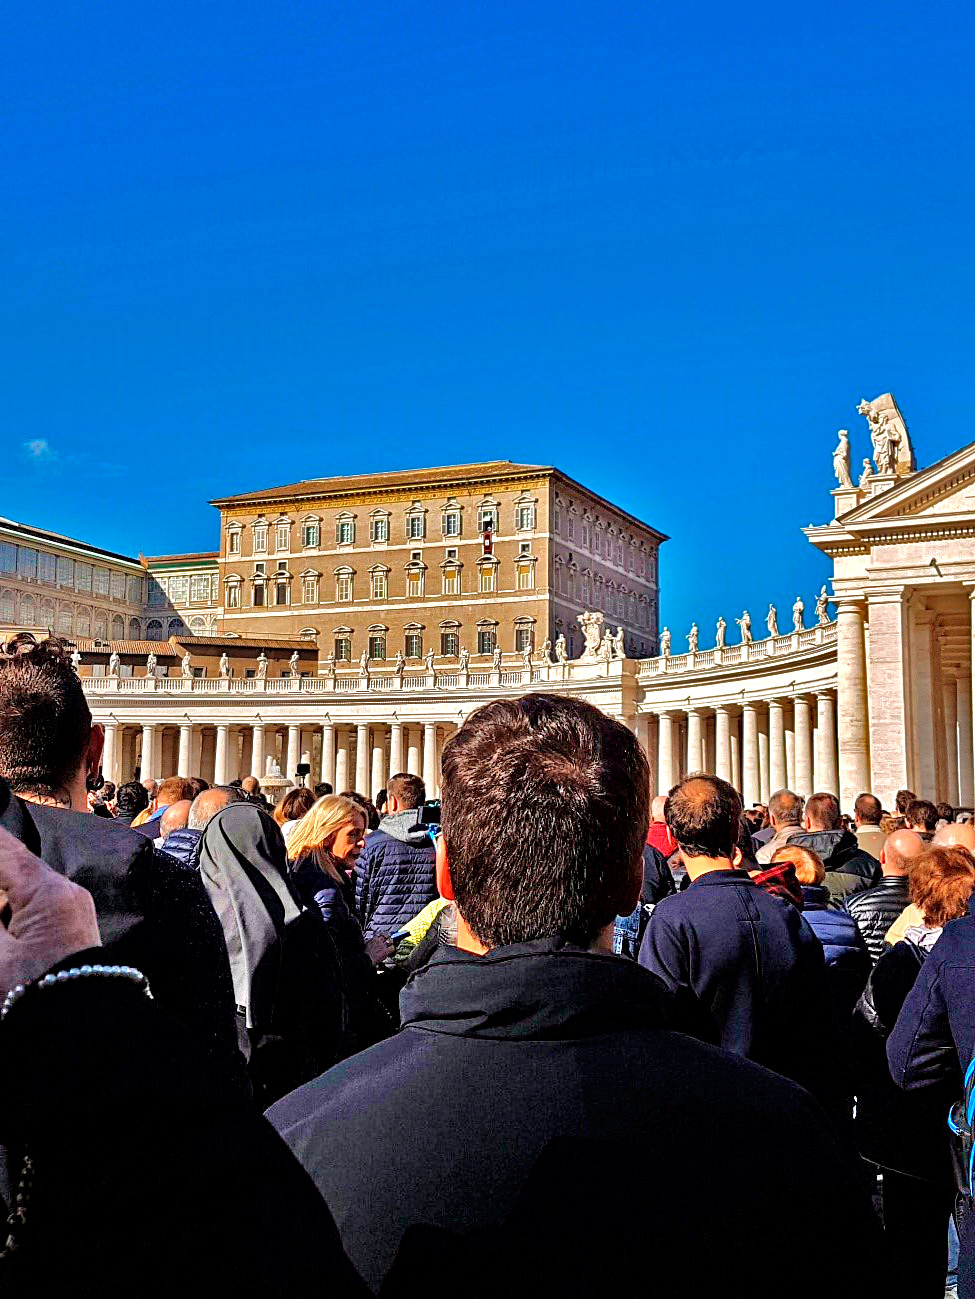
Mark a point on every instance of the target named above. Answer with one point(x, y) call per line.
point(99, 627)
point(342, 646)
point(28, 611)
point(524, 634)
point(135, 629)
point(198, 625)
point(83, 622)
point(48, 617)
point(378, 583)
point(7, 614)
point(309, 586)
point(176, 626)
point(308, 633)
point(154, 629)
point(118, 627)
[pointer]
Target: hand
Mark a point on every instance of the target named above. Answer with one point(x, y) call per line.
point(378, 948)
point(51, 917)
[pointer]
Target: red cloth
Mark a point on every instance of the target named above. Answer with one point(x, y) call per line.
point(658, 836)
point(780, 880)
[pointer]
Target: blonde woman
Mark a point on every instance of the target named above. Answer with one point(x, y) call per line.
point(322, 849)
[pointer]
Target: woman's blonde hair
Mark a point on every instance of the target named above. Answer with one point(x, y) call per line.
point(318, 827)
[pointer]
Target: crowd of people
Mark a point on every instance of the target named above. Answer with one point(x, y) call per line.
point(547, 1036)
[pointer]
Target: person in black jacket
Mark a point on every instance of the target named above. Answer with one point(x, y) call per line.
point(876, 909)
point(848, 868)
point(534, 1125)
point(148, 1176)
point(905, 1133)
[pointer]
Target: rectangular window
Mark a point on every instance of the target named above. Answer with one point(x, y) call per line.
point(282, 538)
point(599, 542)
point(233, 596)
point(378, 585)
point(233, 542)
point(450, 644)
point(118, 583)
point(379, 529)
point(487, 578)
point(523, 639)
point(47, 572)
point(309, 590)
point(557, 521)
point(451, 524)
point(585, 536)
point(488, 519)
point(260, 540)
point(345, 532)
point(27, 565)
point(8, 557)
point(414, 585)
point(101, 582)
point(525, 517)
point(414, 645)
point(280, 593)
point(82, 579)
point(133, 587)
point(343, 586)
point(258, 600)
point(414, 527)
point(570, 527)
point(179, 589)
point(343, 649)
point(377, 647)
point(309, 535)
point(524, 573)
point(619, 554)
point(200, 588)
point(451, 582)
point(486, 640)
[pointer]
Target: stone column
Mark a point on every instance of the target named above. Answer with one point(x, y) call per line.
point(362, 758)
point(966, 765)
point(184, 763)
point(378, 760)
point(734, 741)
point(108, 752)
point(413, 764)
point(750, 788)
point(722, 742)
point(146, 767)
point(925, 732)
point(395, 748)
point(854, 718)
point(695, 753)
point(763, 755)
point(777, 762)
point(341, 782)
point(790, 757)
point(247, 752)
point(294, 751)
point(665, 754)
point(826, 758)
point(949, 689)
point(430, 775)
point(220, 757)
point(257, 749)
point(328, 754)
point(804, 750)
point(888, 670)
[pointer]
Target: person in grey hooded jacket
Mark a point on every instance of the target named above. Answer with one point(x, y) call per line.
point(395, 875)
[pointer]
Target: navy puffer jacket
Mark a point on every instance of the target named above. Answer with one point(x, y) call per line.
point(395, 875)
point(184, 845)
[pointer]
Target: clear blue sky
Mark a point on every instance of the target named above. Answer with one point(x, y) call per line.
point(665, 246)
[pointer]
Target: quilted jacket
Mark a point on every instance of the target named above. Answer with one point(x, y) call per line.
point(876, 909)
point(395, 877)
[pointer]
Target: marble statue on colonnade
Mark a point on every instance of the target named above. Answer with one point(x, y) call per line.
point(526, 658)
point(151, 664)
point(889, 438)
point(866, 474)
point(224, 668)
point(76, 658)
point(619, 644)
point(496, 658)
point(745, 623)
point(822, 610)
point(547, 651)
point(364, 663)
point(561, 653)
point(186, 666)
point(592, 630)
point(841, 459)
point(665, 643)
point(465, 658)
point(261, 666)
point(719, 633)
point(428, 659)
point(400, 665)
point(771, 621)
point(114, 664)
point(798, 609)
point(692, 639)
point(293, 664)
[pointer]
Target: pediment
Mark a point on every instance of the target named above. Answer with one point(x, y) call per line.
point(944, 490)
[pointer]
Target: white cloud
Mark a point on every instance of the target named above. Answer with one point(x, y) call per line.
point(39, 451)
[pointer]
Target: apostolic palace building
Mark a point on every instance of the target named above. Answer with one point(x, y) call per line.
point(353, 623)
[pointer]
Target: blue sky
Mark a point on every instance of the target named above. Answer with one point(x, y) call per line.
point(666, 247)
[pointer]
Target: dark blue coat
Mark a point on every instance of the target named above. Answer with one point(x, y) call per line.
point(749, 975)
point(395, 874)
point(184, 845)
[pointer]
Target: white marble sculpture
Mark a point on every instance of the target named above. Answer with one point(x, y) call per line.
point(428, 659)
point(798, 609)
point(400, 665)
point(665, 643)
point(592, 631)
point(151, 664)
point(526, 658)
point(822, 611)
point(891, 442)
point(841, 459)
point(719, 634)
point(561, 652)
point(76, 658)
point(271, 766)
point(261, 666)
point(364, 663)
point(293, 664)
point(330, 665)
point(224, 665)
point(186, 667)
point(606, 647)
point(114, 664)
point(692, 639)
point(745, 623)
point(771, 621)
point(496, 659)
point(619, 644)
point(866, 474)
point(465, 658)
point(547, 651)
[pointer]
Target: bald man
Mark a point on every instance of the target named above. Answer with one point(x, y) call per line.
point(876, 909)
point(183, 840)
point(955, 835)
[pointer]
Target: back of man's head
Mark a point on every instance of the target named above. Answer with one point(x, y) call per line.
point(545, 814)
point(151, 787)
point(658, 808)
point(867, 810)
point(174, 817)
point(408, 791)
point(904, 797)
point(957, 834)
point(945, 812)
point(823, 812)
point(199, 785)
point(899, 850)
point(131, 799)
point(250, 785)
point(45, 721)
point(785, 808)
point(922, 815)
point(808, 864)
point(703, 816)
point(322, 788)
point(209, 803)
point(173, 790)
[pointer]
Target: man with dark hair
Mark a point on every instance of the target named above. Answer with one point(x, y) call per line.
point(946, 813)
point(199, 785)
point(130, 799)
point(867, 814)
point(747, 973)
point(785, 817)
point(531, 1057)
point(322, 788)
point(848, 868)
point(395, 876)
point(903, 798)
point(174, 789)
point(922, 818)
point(151, 913)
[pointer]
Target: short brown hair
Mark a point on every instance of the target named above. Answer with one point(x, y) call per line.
point(941, 882)
point(406, 789)
point(173, 790)
point(546, 806)
point(923, 813)
point(868, 808)
point(823, 811)
point(294, 805)
point(904, 796)
point(45, 721)
point(704, 816)
point(808, 864)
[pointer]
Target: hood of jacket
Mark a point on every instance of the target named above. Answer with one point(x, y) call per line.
point(406, 827)
point(815, 897)
point(836, 848)
point(545, 989)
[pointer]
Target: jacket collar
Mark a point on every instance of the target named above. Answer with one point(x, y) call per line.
point(815, 897)
point(722, 878)
point(543, 990)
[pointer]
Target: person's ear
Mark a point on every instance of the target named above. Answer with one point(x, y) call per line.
point(96, 746)
point(445, 885)
point(736, 857)
point(805, 823)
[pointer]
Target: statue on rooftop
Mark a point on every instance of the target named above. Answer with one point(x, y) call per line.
point(841, 459)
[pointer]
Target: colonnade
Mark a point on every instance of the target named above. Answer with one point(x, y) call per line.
point(355, 755)
point(759, 746)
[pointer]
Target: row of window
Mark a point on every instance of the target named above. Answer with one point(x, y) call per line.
point(592, 536)
point(198, 588)
point(39, 566)
point(380, 523)
point(413, 644)
point(594, 593)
